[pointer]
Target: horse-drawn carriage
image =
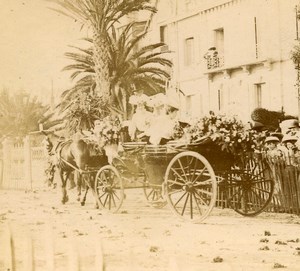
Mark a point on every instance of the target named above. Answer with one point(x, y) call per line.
point(187, 177)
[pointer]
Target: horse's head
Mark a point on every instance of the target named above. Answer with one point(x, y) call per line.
point(50, 141)
point(47, 144)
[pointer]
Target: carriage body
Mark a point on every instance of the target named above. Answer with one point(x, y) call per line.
point(187, 177)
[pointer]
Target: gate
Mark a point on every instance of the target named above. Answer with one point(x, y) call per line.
point(23, 163)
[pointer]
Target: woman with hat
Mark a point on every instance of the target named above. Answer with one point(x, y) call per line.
point(289, 148)
point(271, 143)
point(140, 121)
point(289, 125)
point(162, 129)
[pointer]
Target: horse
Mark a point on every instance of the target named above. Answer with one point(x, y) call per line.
point(76, 155)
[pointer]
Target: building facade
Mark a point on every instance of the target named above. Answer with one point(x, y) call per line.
point(230, 56)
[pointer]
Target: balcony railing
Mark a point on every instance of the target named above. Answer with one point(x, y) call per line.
point(213, 59)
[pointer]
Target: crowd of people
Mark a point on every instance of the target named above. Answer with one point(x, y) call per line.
point(286, 144)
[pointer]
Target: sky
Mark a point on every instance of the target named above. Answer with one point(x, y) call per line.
point(33, 40)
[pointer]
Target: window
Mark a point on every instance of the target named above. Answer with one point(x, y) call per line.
point(188, 105)
point(137, 29)
point(220, 99)
point(189, 52)
point(219, 43)
point(259, 98)
point(163, 34)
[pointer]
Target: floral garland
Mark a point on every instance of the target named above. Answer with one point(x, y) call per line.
point(226, 131)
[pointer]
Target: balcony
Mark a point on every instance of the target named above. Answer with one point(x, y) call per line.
point(215, 65)
point(213, 59)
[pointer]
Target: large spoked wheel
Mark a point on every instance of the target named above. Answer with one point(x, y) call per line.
point(250, 187)
point(154, 196)
point(109, 188)
point(190, 186)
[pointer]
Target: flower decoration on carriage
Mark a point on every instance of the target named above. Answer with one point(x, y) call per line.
point(108, 130)
point(178, 131)
point(228, 132)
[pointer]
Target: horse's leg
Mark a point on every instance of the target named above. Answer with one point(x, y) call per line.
point(86, 188)
point(96, 200)
point(84, 197)
point(72, 182)
point(89, 184)
point(64, 179)
point(92, 186)
point(79, 185)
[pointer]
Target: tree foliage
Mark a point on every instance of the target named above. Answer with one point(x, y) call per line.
point(20, 114)
point(145, 68)
point(100, 16)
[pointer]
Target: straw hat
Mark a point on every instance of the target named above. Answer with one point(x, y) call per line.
point(138, 99)
point(277, 134)
point(157, 100)
point(272, 139)
point(289, 138)
point(173, 102)
point(289, 124)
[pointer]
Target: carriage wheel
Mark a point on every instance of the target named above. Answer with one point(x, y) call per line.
point(190, 186)
point(154, 196)
point(250, 187)
point(109, 188)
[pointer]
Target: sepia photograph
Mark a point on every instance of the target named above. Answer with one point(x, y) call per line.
point(149, 135)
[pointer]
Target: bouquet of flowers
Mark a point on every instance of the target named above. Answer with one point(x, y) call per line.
point(228, 132)
point(178, 131)
point(108, 130)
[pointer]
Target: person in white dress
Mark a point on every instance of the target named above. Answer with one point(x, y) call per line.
point(162, 129)
point(140, 121)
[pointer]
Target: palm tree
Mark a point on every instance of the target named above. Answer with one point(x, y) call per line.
point(146, 69)
point(100, 16)
point(83, 72)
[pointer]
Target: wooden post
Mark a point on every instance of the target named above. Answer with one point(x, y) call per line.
point(74, 261)
point(49, 248)
point(27, 156)
point(6, 182)
point(28, 253)
point(99, 259)
point(9, 256)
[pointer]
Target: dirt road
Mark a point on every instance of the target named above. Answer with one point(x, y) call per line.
point(143, 238)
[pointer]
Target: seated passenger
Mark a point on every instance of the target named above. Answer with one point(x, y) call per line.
point(162, 130)
point(140, 121)
point(157, 103)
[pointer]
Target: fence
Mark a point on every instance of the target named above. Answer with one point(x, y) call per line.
point(19, 251)
point(23, 163)
point(287, 186)
point(286, 197)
